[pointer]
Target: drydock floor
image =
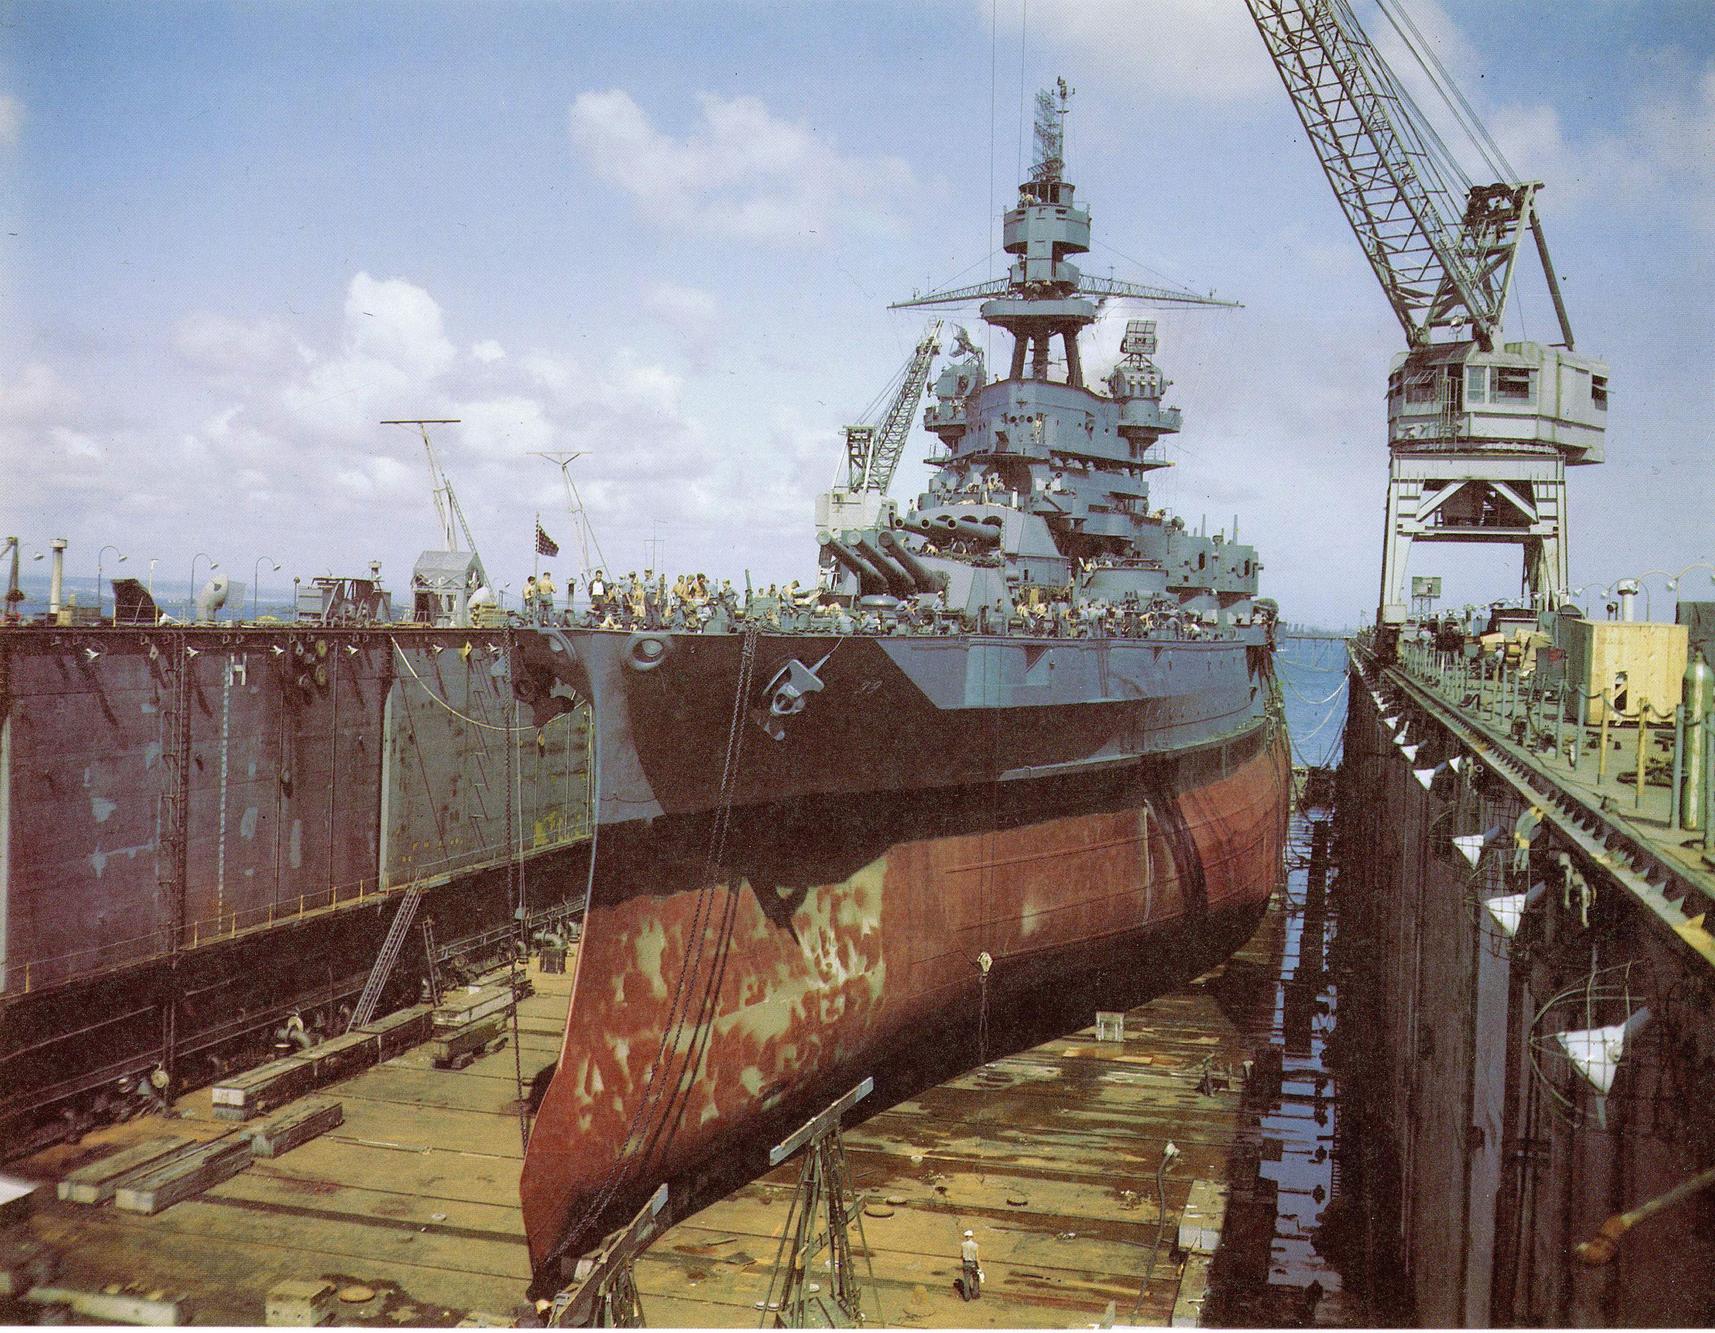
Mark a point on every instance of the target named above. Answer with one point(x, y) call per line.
point(1049, 1156)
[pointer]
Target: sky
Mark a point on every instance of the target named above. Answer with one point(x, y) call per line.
point(237, 237)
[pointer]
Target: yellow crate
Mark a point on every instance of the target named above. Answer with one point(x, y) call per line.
point(1651, 655)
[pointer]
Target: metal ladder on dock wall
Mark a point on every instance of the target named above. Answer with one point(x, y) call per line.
point(385, 960)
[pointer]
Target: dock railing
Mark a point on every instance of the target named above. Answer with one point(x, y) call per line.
point(1551, 719)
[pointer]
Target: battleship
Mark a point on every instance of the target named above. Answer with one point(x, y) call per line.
point(1021, 758)
point(1017, 755)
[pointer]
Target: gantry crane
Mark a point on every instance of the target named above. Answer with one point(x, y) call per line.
point(1480, 432)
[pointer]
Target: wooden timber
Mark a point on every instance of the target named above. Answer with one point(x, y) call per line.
point(401, 1031)
point(454, 1047)
point(463, 1007)
point(1048, 1154)
point(261, 1089)
point(298, 1123)
point(183, 1176)
point(96, 1182)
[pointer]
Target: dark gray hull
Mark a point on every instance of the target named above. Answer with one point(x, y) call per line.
point(893, 713)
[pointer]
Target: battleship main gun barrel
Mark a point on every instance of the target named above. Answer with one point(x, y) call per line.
point(899, 580)
point(926, 579)
point(870, 580)
point(944, 526)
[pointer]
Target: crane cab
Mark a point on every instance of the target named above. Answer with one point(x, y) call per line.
point(1522, 393)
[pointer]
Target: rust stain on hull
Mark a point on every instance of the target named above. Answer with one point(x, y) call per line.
point(709, 1013)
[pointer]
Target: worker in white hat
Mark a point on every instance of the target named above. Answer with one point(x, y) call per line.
point(972, 1285)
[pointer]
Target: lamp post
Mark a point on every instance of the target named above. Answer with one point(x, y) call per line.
point(213, 565)
point(153, 561)
point(256, 581)
point(1673, 583)
point(100, 587)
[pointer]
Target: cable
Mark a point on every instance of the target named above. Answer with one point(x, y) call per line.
point(463, 717)
point(1449, 91)
point(1167, 1155)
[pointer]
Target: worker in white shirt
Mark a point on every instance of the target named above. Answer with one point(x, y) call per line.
point(973, 1273)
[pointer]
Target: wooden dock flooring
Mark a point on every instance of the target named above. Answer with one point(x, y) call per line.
point(1049, 1156)
point(414, 1195)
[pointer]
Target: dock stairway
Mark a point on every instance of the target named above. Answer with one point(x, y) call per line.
point(386, 959)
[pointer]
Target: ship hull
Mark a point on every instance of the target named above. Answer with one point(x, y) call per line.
point(713, 1011)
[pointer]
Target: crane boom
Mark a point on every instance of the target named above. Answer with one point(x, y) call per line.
point(1443, 249)
point(873, 452)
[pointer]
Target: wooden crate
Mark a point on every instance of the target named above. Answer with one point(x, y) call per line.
point(1653, 657)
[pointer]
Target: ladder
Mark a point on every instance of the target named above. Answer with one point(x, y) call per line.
point(385, 960)
point(429, 958)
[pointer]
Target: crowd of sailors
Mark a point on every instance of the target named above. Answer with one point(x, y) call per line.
point(697, 603)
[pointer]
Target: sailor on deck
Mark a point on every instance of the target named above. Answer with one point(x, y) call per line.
point(545, 598)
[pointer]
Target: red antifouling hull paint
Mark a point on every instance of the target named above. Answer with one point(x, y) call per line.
point(706, 1018)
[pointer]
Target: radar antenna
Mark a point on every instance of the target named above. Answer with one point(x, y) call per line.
point(575, 503)
point(1047, 275)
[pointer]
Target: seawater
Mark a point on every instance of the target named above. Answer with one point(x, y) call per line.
point(1313, 679)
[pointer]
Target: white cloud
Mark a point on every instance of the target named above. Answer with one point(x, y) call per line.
point(398, 323)
point(1174, 50)
point(220, 345)
point(1657, 153)
point(11, 119)
point(487, 351)
point(34, 397)
point(742, 172)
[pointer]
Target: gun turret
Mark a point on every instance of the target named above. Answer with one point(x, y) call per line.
point(943, 526)
point(899, 580)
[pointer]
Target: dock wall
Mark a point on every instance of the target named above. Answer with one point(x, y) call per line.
point(1483, 1156)
point(206, 830)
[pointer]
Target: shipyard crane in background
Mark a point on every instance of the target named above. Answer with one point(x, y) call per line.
point(1480, 432)
point(873, 451)
point(449, 583)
